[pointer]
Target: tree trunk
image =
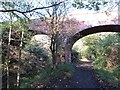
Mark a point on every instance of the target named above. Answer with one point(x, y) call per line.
point(53, 46)
point(20, 48)
point(53, 50)
point(8, 51)
point(68, 51)
point(0, 59)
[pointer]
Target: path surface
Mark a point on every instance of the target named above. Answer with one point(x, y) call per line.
point(83, 77)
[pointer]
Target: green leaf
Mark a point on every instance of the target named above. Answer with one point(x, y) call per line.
point(105, 2)
point(97, 8)
point(74, 5)
point(90, 8)
point(98, 3)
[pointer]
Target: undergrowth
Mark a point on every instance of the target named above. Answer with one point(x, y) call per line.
point(44, 76)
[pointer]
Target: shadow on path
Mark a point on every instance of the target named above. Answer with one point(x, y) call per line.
point(84, 76)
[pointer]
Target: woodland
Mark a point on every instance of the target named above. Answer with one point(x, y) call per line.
point(28, 63)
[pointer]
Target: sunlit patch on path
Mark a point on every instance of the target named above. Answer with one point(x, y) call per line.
point(85, 63)
point(86, 60)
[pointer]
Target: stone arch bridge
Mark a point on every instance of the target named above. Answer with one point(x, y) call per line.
point(74, 29)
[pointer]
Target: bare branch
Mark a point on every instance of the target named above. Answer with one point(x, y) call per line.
point(23, 12)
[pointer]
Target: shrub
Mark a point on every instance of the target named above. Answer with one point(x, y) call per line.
point(41, 77)
point(105, 74)
point(45, 75)
point(75, 56)
point(38, 51)
point(65, 69)
point(100, 62)
point(116, 72)
point(106, 50)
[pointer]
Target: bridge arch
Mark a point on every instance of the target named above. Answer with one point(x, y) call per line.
point(88, 31)
point(96, 29)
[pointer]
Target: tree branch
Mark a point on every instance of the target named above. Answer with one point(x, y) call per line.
point(23, 12)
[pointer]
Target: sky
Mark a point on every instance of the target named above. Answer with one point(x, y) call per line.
point(76, 13)
point(93, 17)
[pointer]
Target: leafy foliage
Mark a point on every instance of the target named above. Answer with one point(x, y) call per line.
point(106, 50)
point(75, 56)
point(65, 68)
point(14, 48)
point(38, 52)
point(93, 4)
point(44, 76)
point(106, 75)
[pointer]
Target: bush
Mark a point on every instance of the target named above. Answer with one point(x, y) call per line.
point(38, 51)
point(100, 62)
point(38, 55)
point(105, 74)
point(111, 77)
point(116, 72)
point(75, 56)
point(106, 50)
point(44, 76)
point(41, 77)
point(65, 68)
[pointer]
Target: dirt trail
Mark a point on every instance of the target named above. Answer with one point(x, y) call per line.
point(84, 76)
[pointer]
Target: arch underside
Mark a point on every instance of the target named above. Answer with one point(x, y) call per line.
point(96, 29)
point(66, 47)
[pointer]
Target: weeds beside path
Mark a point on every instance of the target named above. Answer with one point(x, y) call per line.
point(83, 77)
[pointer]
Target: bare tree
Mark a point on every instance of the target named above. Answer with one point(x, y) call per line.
point(22, 8)
point(55, 11)
point(54, 21)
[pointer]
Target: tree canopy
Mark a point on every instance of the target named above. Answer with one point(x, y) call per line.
point(96, 4)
